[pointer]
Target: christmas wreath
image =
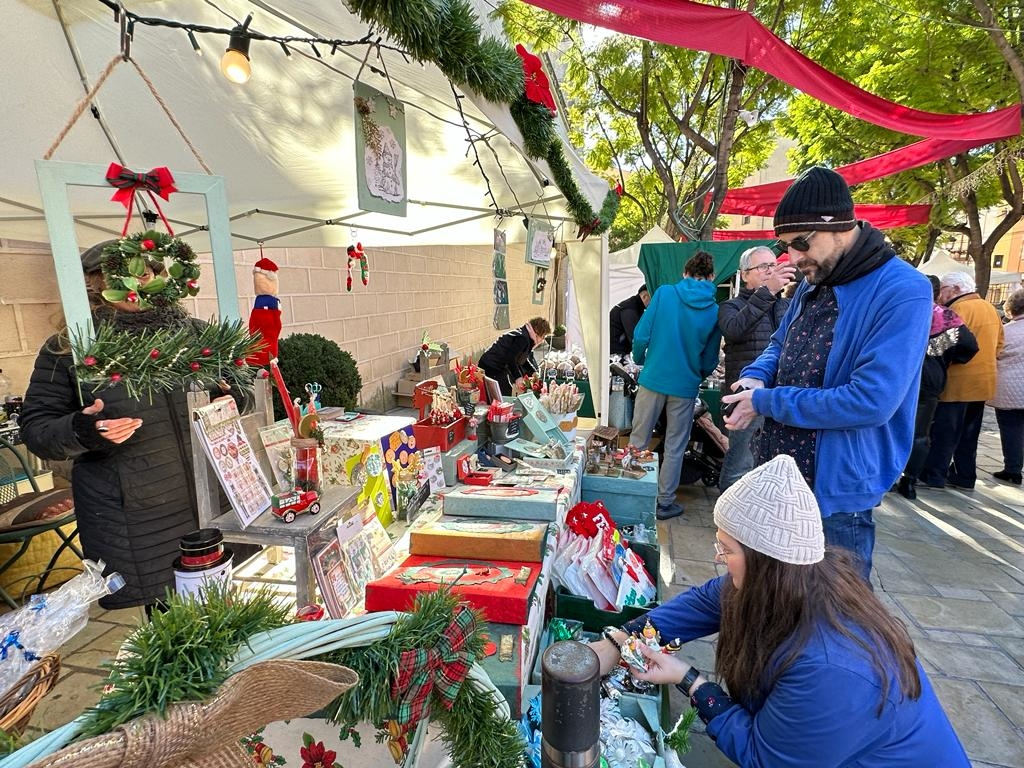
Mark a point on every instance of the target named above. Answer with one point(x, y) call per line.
point(125, 262)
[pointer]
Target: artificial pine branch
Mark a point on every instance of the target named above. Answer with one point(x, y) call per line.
point(182, 653)
point(679, 737)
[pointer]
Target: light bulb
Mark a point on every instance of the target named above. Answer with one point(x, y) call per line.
point(235, 66)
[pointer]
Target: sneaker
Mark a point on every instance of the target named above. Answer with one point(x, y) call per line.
point(668, 511)
point(1010, 477)
point(905, 488)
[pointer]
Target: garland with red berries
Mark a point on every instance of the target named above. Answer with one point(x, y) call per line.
point(125, 262)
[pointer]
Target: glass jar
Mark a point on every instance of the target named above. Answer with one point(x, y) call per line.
point(306, 466)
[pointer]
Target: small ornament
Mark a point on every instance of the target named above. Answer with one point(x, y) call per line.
point(115, 377)
point(356, 253)
point(425, 347)
point(192, 285)
point(132, 297)
point(148, 245)
point(239, 362)
point(195, 366)
point(154, 353)
point(89, 361)
point(207, 351)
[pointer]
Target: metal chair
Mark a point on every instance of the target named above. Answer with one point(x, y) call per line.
point(23, 516)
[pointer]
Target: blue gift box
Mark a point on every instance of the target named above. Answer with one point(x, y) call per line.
point(509, 503)
point(629, 501)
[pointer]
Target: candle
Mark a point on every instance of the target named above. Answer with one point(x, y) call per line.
point(282, 390)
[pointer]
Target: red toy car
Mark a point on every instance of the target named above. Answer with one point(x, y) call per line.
point(287, 505)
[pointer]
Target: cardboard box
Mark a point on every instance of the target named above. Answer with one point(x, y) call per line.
point(502, 590)
point(630, 501)
point(508, 503)
point(478, 539)
point(570, 606)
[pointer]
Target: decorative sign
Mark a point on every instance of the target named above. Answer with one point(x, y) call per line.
point(501, 316)
point(540, 239)
point(381, 157)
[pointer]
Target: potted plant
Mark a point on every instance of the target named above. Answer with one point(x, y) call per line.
point(305, 358)
point(558, 337)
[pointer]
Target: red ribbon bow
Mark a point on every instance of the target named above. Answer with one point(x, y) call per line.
point(157, 181)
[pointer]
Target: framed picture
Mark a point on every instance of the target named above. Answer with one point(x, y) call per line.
point(501, 292)
point(540, 239)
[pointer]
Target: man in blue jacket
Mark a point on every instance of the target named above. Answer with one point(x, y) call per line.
point(676, 342)
point(837, 384)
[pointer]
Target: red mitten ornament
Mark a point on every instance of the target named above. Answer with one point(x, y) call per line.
point(266, 311)
point(356, 252)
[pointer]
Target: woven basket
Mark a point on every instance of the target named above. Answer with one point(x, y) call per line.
point(20, 700)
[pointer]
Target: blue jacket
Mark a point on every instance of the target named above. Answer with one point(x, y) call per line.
point(865, 411)
point(677, 339)
point(822, 711)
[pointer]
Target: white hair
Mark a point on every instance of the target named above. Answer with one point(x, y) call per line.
point(748, 255)
point(962, 281)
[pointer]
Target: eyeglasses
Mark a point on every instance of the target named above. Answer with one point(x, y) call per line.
point(764, 269)
point(800, 243)
point(720, 551)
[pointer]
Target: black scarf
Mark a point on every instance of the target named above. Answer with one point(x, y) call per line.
point(867, 254)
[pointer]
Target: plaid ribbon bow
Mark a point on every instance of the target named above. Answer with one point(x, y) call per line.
point(157, 181)
point(441, 668)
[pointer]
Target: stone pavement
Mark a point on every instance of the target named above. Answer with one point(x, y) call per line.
point(950, 565)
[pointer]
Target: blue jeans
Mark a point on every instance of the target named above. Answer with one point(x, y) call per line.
point(856, 532)
point(739, 459)
point(679, 419)
point(1011, 435)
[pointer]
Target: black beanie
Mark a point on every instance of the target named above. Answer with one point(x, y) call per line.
point(818, 199)
point(92, 257)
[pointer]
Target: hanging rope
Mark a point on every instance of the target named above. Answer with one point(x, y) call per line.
point(88, 98)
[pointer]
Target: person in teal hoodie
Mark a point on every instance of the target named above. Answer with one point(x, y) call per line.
point(677, 342)
point(819, 674)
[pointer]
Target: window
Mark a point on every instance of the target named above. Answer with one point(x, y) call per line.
point(997, 261)
point(746, 220)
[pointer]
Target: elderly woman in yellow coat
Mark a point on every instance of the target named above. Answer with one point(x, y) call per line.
point(952, 458)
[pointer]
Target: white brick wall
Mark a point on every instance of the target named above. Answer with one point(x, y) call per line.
point(443, 290)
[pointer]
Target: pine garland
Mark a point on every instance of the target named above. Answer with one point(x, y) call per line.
point(446, 32)
point(165, 359)
point(679, 737)
point(473, 732)
point(182, 653)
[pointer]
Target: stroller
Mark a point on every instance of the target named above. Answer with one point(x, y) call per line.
point(706, 448)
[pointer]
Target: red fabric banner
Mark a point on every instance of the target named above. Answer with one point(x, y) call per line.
point(739, 35)
point(879, 216)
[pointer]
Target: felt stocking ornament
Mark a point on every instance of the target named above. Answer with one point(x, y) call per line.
point(356, 252)
point(266, 311)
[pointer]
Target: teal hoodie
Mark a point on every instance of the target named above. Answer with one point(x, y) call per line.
point(677, 340)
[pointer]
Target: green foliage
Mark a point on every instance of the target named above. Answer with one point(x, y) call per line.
point(472, 731)
point(9, 742)
point(679, 737)
point(307, 357)
point(182, 653)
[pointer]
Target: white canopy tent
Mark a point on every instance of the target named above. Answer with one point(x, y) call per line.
point(942, 262)
point(284, 141)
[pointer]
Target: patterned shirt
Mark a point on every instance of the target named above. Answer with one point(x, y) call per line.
point(802, 364)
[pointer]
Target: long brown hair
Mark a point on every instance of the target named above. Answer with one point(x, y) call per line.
point(766, 624)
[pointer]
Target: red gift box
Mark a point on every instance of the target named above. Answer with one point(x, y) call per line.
point(502, 590)
point(428, 434)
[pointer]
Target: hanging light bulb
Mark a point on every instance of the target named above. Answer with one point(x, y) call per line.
point(234, 64)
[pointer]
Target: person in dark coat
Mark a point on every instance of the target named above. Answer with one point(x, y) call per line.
point(623, 319)
point(747, 323)
point(949, 342)
point(510, 357)
point(132, 480)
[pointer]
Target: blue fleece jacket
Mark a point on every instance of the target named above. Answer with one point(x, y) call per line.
point(864, 412)
point(822, 711)
point(677, 339)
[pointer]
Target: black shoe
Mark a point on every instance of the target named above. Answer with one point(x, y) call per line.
point(950, 483)
point(905, 488)
point(1010, 477)
point(668, 511)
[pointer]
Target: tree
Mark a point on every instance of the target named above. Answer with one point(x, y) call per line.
point(662, 122)
point(941, 56)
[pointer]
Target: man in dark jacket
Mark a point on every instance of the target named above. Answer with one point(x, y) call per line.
point(510, 357)
point(623, 319)
point(747, 323)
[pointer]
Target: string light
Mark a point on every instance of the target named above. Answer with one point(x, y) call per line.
point(195, 43)
point(235, 64)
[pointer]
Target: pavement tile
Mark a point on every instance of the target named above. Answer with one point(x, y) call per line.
point(67, 701)
point(984, 730)
point(1013, 646)
point(971, 662)
point(959, 615)
point(1012, 604)
point(1009, 699)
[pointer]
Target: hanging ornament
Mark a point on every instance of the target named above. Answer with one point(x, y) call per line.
point(356, 252)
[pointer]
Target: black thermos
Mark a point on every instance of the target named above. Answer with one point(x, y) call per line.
point(571, 706)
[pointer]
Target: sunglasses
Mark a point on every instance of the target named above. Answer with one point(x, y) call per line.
point(800, 243)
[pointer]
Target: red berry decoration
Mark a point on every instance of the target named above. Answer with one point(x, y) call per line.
point(89, 361)
point(425, 347)
point(195, 366)
point(132, 297)
point(192, 284)
point(148, 245)
point(115, 377)
point(154, 353)
point(207, 351)
point(239, 362)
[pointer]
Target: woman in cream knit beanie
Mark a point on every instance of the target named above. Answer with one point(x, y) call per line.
point(817, 671)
